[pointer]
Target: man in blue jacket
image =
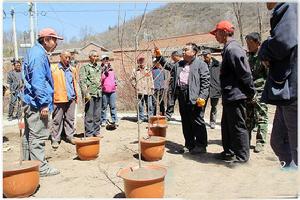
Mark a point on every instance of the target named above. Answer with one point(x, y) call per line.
point(236, 87)
point(38, 99)
point(280, 54)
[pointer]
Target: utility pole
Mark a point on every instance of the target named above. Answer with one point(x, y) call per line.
point(12, 12)
point(31, 23)
point(36, 20)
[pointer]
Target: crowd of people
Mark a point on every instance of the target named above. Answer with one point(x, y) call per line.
point(245, 80)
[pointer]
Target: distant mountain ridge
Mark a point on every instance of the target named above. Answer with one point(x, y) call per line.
point(183, 18)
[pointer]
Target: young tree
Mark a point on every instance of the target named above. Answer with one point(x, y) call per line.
point(237, 9)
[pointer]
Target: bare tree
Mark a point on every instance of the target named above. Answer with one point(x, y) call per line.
point(237, 9)
point(259, 18)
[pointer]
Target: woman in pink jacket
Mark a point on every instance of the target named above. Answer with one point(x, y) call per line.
point(109, 86)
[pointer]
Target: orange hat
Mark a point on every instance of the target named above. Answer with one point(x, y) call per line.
point(50, 33)
point(223, 25)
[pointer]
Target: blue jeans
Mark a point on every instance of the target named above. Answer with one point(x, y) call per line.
point(109, 99)
point(145, 99)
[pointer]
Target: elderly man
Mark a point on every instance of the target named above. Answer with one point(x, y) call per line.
point(257, 111)
point(214, 87)
point(236, 86)
point(14, 80)
point(90, 83)
point(65, 97)
point(191, 84)
point(280, 54)
point(142, 81)
point(38, 99)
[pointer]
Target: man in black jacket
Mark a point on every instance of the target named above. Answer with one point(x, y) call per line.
point(236, 86)
point(280, 54)
point(214, 88)
point(176, 57)
point(191, 81)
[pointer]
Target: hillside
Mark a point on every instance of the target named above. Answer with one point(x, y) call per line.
point(183, 18)
point(173, 19)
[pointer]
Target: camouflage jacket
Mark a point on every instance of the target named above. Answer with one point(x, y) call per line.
point(259, 72)
point(90, 80)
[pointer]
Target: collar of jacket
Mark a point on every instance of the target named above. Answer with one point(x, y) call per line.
point(277, 9)
point(189, 63)
point(60, 66)
point(41, 46)
point(92, 65)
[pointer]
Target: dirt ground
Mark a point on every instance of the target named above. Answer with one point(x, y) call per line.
point(188, 176)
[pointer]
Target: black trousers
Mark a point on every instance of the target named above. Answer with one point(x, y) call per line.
point(192, 119)
point(92, 120)
point(171, 98)
point(235, 137)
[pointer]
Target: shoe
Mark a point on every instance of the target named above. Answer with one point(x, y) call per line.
point(258, 148)
point(103, 124)
point(184, 150)
point(236, 163)
point(55, 145)
point(198, 150)
point(224, 156)
point(212, 125)
point(98, 135)
point(50, 172)
point(9, 118)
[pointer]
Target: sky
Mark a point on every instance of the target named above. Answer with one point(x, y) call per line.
point(69, 19)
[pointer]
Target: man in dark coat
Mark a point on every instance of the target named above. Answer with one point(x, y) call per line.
point(192, 84)
point(14, 79)
point(214, 88)
point(280, 54)
point(176, 57)
point(236, 86)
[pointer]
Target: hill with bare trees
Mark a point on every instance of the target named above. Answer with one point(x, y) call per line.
point(173, 19)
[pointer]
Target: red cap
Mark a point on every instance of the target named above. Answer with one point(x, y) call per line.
point(50, 33)
point(223, 25)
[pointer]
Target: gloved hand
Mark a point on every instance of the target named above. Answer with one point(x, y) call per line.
point(252, 99)
point(87, 97)
point(200, 102)
point(157, 52)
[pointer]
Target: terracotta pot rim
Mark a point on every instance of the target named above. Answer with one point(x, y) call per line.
point(162, 140)
point(158, 126)
point(34, 164)
point(86, 140)
point(158, 116)
point(125, 170)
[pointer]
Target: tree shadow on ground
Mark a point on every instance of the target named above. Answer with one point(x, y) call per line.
point(131, 119)
point(208, 157)
point(120, 195)
point(136, 156)
point(173, 148)
point(205, 158)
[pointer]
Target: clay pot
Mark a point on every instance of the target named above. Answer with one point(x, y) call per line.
point(20, 181)
point(158, 120)
point(144, 182)
point(153, 148)
point(157, 131)
point(87, 148)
